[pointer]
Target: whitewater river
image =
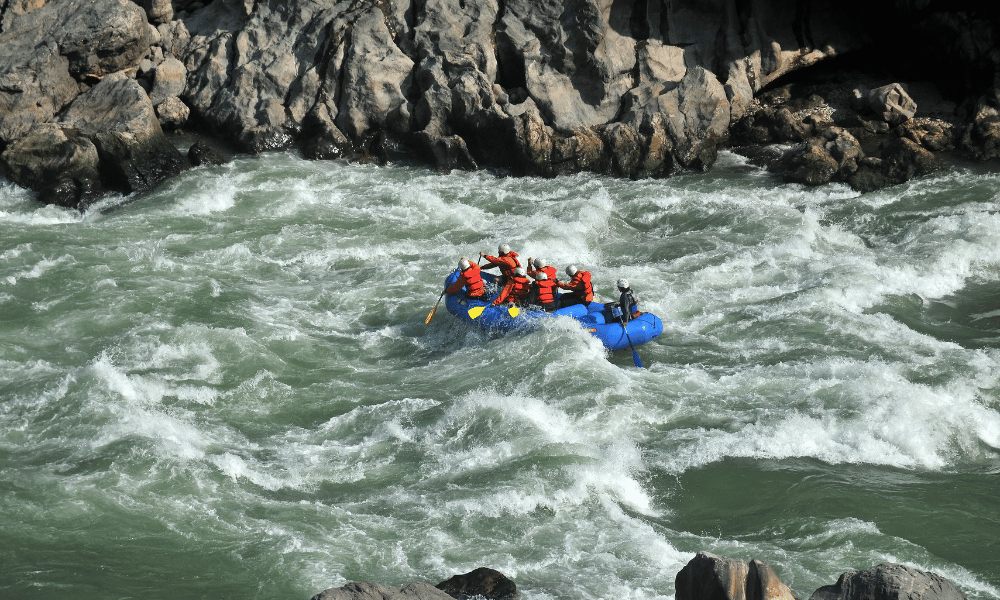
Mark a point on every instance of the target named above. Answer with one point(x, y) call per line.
point(226, 389)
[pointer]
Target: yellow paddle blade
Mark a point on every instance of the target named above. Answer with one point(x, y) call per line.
point(475, 312)
point(430, 315)
point(513, 311)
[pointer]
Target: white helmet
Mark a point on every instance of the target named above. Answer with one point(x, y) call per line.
point(503, 248)
point(623, 284)
point(539, 263)
point(519, 271)
point(571, 270)
point(540, 276)
point(464, 264)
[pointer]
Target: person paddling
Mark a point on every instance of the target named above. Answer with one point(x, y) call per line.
point(516, 290)
point(540, 266)
point(470, 279)
point(507, 261)
point(580, 289)
point(627, 302)
point(544, 290)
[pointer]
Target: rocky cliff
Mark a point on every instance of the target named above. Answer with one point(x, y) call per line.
point(633, 88)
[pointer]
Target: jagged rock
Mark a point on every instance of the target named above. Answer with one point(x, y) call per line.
point(711, 577)
point(532, 151)
point(809, 163)
point(524, 84)
point(981, 137)
point(576, 68)
point(118, 117)
point(61, 165)
point(482, 582)
point(889, 581)
point(902, 160)
point(374, 591)
point(934, 135)
point(157, 11)
point(892, 104)
point(449, 152)
point(172, 113)
point(376, 78)
point(581, 151)
point(47, 52)
point(696, 118)
point(623, 144)
point(845, 149)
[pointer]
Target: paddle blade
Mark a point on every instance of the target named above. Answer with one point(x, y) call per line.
point(475, 312)
point(430, 315)
point(513, 311)
point(635, 358)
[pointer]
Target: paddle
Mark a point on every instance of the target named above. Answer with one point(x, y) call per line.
point(430, 315)
point(635, 355)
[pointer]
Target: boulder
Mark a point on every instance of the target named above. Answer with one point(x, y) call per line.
point(172, 113)
point(449, 151)
point(157, 11)
point(711, 577)
point(61, 165)
point(482, 582)
point(201, 153)
point(48, 52)
point(118, 117)
point(169, 80)
point(375, 591)
point(889, 581)
point(891, 103)
point(903, 159)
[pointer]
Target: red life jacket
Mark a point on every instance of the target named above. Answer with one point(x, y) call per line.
point(522, 285)
point(509, 263)
point(581, 286)
point(515, 291)
point(546, 288)
point(549, 271)
point(473, 281)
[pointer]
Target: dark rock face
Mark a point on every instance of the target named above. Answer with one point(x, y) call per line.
point(374, 591)
point(889, 581)
point(634, 88)
point(488, 583)
point(52, 56)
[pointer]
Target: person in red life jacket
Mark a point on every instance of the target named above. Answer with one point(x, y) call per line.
point(540, 266)
point(516, 290)
point(470, 279)
point(507, 261)
point(544, 291)
point(580, 289)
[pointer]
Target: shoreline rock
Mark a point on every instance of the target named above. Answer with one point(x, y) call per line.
point(705, 577)
point(638, 88)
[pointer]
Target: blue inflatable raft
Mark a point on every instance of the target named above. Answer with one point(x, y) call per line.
point(503, 318)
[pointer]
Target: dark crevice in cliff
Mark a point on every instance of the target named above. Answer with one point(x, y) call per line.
point(3, 13)
point(638, 21)
point(511, 72)
point(801, 27)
